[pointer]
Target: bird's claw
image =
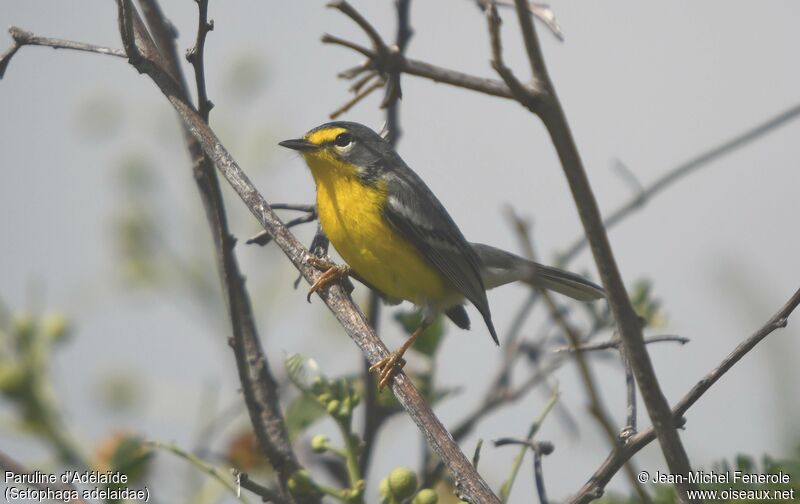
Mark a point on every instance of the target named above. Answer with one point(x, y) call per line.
point(332, 273)
point(387, 368)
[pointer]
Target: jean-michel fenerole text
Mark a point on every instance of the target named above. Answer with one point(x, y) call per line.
point(730, 477)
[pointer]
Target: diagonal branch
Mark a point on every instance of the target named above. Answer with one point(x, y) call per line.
point(259, 387)
point(686, 168)
point(593, 488)
point(630, 330)
point(469, 484)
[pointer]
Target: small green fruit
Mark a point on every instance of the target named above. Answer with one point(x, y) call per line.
point(402, 483)
point(333, 407)
point(425, 496)
point(319, 443)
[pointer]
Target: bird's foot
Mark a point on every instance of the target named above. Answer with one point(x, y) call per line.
point(332, 273)
point(388, 367)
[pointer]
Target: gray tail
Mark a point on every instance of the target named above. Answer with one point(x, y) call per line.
point(500, 267)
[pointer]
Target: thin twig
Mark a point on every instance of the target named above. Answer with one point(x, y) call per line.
point(543, 13)
point(630, 330)
point(348, 10)
point(195, 56)
point(23, 38)
point(616, 343)
point(596, 406)
point(593, 488)
point(263, 238)
point(686, 168)
point(267, 494)
point(357, 98)
point(528, 96)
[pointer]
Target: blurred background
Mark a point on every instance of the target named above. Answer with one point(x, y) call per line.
point(104, 239)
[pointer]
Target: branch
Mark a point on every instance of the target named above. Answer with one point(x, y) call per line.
point(630, 330)
point(593, 488)
point(686, 168)
point(616, 343)
point(23, 38)
point(267, 494)
point(195, 56)
point(259, 387)
point(468, 482)
point(596, 406)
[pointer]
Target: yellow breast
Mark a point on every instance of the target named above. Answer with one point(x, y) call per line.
point(350, 213)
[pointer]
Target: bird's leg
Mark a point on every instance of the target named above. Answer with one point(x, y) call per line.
point(332, 273)
point(394, 362)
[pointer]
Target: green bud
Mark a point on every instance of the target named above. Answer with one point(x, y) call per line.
point(324, 398)
point(402, 483)
point(333, 407)
point(300, 482)
point(355, 398)
point(344, 410)
point(319, 443)
point(425, 496)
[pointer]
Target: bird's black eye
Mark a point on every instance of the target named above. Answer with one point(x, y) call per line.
point(343, 139)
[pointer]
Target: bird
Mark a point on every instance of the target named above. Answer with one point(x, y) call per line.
point(396, 237)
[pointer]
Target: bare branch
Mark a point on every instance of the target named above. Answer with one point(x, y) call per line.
point(348, 10)
point(527, 97)
point(266, 494)
point(596, 406)
point(259, 387)
point(23, 38)
point(357, 98)
point(195, 56)
point(593, 488)
point(630, 330)
point(616, 343)
point(686, 168)
point(543, 13)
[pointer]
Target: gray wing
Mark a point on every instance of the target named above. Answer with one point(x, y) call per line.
point(418, 216)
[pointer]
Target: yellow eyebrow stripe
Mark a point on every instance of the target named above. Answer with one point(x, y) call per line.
point(322, 136)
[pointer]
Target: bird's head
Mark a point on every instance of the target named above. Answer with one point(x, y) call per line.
point(344, 148)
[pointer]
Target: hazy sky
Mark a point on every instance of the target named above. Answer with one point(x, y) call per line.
point(651, 84)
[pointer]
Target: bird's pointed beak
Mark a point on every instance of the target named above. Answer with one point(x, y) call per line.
point(299, 144)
